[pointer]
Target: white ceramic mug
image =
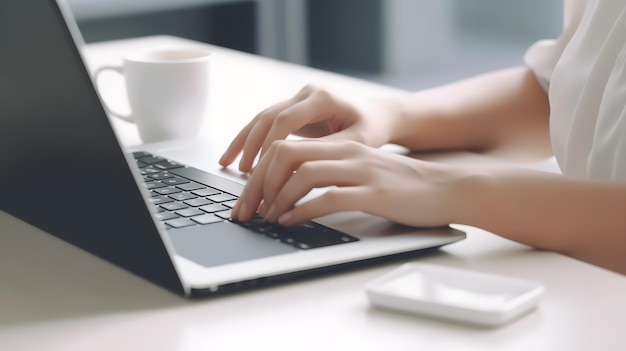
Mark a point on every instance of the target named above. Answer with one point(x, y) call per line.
point(167, 92)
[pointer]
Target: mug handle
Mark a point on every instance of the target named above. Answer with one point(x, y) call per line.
point(119, 69)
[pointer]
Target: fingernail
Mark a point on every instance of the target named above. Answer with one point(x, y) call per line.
point(242, 162)
point(222, 160)
point(271, 212)
point(243, 211)
point(285, 217)
point(234, 214)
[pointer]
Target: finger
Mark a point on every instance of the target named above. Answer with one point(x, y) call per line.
point(259, 130)
point(252, 195)
point(236, 145)
point(308, 111)
point(345, 134)
point(285, 157)
point(332, 201)
point(249, 201)
point(308, 176)
point(282, 159)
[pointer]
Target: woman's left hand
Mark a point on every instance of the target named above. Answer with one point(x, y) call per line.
point(393, 186)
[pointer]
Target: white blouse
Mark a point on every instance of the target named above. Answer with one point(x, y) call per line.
point(584, 73)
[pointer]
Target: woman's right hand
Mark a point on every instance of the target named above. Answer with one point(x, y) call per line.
point(312, 113)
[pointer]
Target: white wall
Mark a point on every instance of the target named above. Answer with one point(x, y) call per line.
point(417, 35)
point(421, 33)
point(416, 32)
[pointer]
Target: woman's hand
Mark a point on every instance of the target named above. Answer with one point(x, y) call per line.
point(367, 179)
point(312, 113)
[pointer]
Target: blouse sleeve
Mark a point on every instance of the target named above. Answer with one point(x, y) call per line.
point(542, 56)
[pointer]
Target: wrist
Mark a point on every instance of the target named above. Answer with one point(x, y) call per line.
point(416, 117)
point(471, 196)
point(394, 110)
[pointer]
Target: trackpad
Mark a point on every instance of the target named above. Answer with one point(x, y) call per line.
point(223, 243)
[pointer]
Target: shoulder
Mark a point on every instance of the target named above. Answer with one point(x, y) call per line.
point(542, 56)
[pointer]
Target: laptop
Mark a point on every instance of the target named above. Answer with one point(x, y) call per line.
point(64, 172)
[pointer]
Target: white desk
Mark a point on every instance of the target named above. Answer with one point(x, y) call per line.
point(56, 297)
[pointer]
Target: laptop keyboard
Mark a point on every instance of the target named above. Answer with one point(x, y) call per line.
point(182, 201)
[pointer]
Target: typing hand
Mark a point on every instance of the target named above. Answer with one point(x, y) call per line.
point(393, 186)
point(311, 113)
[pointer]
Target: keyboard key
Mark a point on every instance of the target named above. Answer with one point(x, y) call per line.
point(182, 196)
point(190, 212)
point(198, 202)
point(140, 154)
point(167, 165)
point(190, 186)
point(214, 208)
point(149, 170)
point(206, 219)
point(154, 185)
point(173, 206)
point(222, 198)
point(167, 191)
point(180, 222)
point(206, 192)
point(150, 160)
point(174, 181)
point(161, 199)
point(312, 236)
point(230, 204)
point(305, 236)
point(163, 216)
point(158, 175)
point(224, 214)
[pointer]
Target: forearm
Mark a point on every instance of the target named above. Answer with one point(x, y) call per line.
point(581, 218)
point(478, 113)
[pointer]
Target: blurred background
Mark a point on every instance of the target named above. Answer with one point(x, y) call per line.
point(410, 44)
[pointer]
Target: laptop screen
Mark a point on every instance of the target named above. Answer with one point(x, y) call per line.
point(63, 170)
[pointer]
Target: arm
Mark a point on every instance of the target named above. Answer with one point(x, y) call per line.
point(506, 107)
point(480, 113)
point(581, 218)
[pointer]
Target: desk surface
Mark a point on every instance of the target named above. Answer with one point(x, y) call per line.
point(56, 297)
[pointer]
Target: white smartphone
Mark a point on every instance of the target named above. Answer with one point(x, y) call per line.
point(454, 294)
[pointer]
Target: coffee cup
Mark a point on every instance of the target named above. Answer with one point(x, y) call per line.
point(167, 92)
